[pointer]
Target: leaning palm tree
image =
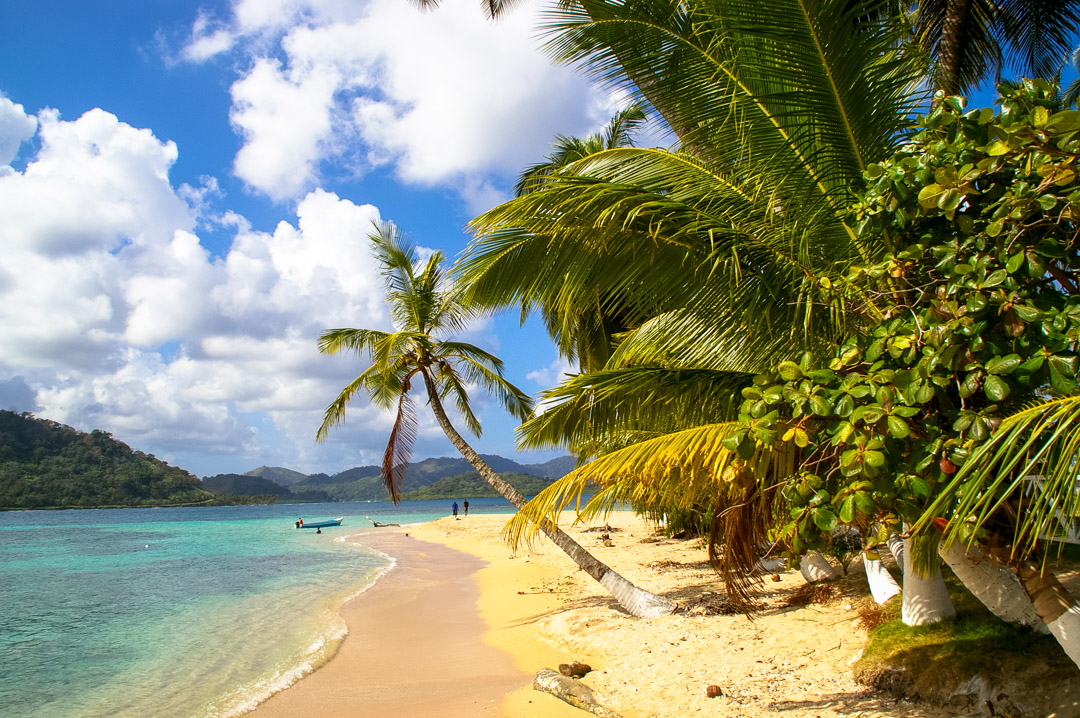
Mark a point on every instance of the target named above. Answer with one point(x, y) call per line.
point(423, 309)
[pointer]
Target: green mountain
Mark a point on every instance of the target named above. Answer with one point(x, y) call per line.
point(471, 486)
point(243, 484)
point(554, 469)
point(363, 483)
point(277, 474)
point(44, 464)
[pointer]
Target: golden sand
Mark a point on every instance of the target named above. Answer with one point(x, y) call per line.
point(518, 612)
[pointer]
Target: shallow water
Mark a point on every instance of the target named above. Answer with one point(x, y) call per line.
point(177, 612)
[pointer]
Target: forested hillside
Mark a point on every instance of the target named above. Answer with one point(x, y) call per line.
point(363, 483)
point(470, 485)
point(44, 464)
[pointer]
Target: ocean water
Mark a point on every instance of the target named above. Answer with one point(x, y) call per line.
point(197, 612)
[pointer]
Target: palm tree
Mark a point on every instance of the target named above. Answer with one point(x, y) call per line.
point(722, 254)
point(725, 253)
point(586, 334)
point(423, 309)
point(972, 40)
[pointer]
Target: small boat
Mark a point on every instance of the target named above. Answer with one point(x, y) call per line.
point(322, 524)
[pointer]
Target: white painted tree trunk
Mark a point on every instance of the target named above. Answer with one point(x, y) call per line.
point(883, 586)
point(926, 599)
point(815, 568)
point(1056, 605)
point(896, 548)
point(994, 584)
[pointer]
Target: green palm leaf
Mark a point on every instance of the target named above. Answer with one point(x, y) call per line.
point(1041, 440)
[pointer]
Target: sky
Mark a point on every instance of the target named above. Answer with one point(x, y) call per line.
point(186, 190)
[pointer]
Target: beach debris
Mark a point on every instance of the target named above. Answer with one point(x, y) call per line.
point(809, 593)
point(775, 577)
point(714, 691)
point(709, 604)
point(606, 528)
point(378, 525)
point(571, 691)
point(574, 669)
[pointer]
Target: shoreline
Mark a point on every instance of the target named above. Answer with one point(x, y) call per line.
point(413, 645)
point(534, 609)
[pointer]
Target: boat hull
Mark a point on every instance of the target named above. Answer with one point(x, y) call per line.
point(323, 524)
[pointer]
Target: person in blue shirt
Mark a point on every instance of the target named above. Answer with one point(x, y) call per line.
point(454, 508)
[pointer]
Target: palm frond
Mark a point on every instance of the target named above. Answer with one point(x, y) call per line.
point(450, 384)
point(361, 341)
point(607, 406)
point(399, 448)
point(687, 468)
point(1029, 463)
point(479, 371)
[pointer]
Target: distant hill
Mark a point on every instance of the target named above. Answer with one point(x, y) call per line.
point(277, 474)
point(554, 469)
point(470, 485)
point(243, 484)
point(364, 483)
point(45, 464)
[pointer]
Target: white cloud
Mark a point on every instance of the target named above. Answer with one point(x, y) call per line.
point(115, 316)
point(554, 373)
point(208, 39)
point(15, 128)
point(445, 96)
point(284, 118)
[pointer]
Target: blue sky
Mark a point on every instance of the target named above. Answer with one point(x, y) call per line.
point(185, 192)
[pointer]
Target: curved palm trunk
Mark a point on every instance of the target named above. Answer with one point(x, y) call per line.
point(995, 585)
point(636, 601)
point(1055, 605)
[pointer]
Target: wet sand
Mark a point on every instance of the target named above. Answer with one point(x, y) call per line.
point(415, 645)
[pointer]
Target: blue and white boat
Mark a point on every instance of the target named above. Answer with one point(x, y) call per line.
point(320, 524)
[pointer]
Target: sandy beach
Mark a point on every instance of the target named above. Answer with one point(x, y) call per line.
point(463, 623)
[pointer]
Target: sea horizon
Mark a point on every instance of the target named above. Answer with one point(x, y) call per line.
point(184, 611)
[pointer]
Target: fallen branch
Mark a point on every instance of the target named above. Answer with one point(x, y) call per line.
point(571, 691)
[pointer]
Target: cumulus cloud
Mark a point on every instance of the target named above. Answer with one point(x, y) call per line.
point(119, 318)
point(445, 97)
point(15, 128)
point(284, 118)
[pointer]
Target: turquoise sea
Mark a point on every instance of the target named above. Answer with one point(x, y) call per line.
point(185, 612)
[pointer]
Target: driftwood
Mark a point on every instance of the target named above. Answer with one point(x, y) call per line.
point(378, 525)
point(571, 691)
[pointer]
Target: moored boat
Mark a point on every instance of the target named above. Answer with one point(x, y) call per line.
point(321, 524)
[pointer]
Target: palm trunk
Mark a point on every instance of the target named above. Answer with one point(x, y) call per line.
point(815, 567)
point(956, 17)
point(883, 587)
point(896, 548)
point(926, 599)
point(994, 584)
point(636, 601)
point(1055, 605)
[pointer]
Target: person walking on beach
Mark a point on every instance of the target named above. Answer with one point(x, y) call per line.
point(453, 508)
point(465, 505)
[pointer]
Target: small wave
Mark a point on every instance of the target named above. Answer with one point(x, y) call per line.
point(318, 654)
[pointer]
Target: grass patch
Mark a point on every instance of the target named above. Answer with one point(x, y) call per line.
point(936, 662)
